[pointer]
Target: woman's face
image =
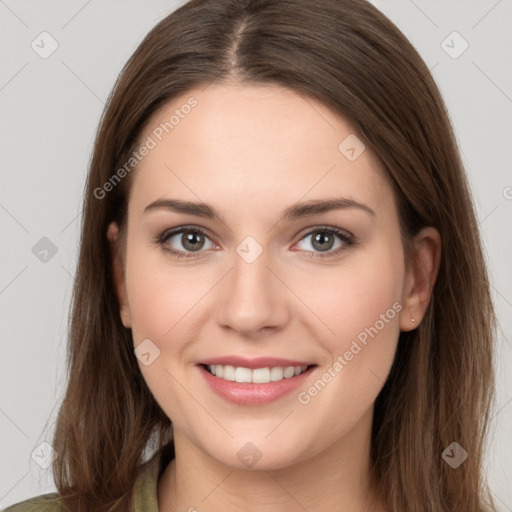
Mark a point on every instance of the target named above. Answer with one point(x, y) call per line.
point(255, 283)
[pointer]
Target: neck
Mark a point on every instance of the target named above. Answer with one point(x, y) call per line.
point(336, 479)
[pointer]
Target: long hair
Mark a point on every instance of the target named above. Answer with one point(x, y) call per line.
point(349, 56)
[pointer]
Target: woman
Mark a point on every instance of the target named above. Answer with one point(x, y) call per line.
point(330, 344)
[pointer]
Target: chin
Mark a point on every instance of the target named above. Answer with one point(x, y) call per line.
point(256, 455)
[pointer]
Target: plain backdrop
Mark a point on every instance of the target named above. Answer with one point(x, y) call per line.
point(50, 109)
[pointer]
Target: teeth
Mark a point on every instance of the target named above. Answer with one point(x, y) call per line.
point(229, 373)
point(276, 373)
point(261, 375)
point(258, 375)
point(288, 372)
point(243, 375)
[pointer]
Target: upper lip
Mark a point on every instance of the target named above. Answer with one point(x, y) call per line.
point(257, 362)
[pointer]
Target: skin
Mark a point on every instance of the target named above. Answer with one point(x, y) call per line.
point(251, 151)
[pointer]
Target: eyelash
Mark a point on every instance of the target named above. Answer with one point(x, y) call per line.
point(347, 239)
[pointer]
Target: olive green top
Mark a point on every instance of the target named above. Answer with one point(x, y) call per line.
point(144, 491)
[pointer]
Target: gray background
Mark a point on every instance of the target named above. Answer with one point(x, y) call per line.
point(50, 112)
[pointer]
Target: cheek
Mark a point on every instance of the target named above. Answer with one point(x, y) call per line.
point(361, 304)
point(354, 296)
point(169, 304)
point(155, 294)
point(163, 301)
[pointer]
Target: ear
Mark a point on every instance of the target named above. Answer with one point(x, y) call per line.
point(420, 278)
point(118, 273)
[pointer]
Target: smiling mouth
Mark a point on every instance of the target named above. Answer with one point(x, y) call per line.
point(256, 375)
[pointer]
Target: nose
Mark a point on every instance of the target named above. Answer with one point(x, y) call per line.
point(253, 299)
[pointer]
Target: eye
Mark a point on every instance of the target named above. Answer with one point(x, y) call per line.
point(193, 240)
point(190, 238)
point(324, 239)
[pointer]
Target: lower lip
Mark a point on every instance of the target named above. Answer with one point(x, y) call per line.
point(249, 393)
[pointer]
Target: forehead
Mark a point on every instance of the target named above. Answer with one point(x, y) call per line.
point(253, 145)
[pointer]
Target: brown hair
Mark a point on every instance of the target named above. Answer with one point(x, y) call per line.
point(350, 57)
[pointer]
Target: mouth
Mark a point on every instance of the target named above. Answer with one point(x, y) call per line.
point(254, 386)
point(263, 375)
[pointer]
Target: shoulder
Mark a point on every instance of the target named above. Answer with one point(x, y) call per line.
point(43, 503)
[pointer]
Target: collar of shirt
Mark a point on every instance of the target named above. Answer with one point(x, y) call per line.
point(145, 497)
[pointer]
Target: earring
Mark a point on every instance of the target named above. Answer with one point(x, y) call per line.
point(412, 319)
point(125, 315)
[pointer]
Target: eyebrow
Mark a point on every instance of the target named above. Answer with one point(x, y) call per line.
point(293, 212)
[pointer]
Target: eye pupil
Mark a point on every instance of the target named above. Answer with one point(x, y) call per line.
point(321, 238)
point(190, 240)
